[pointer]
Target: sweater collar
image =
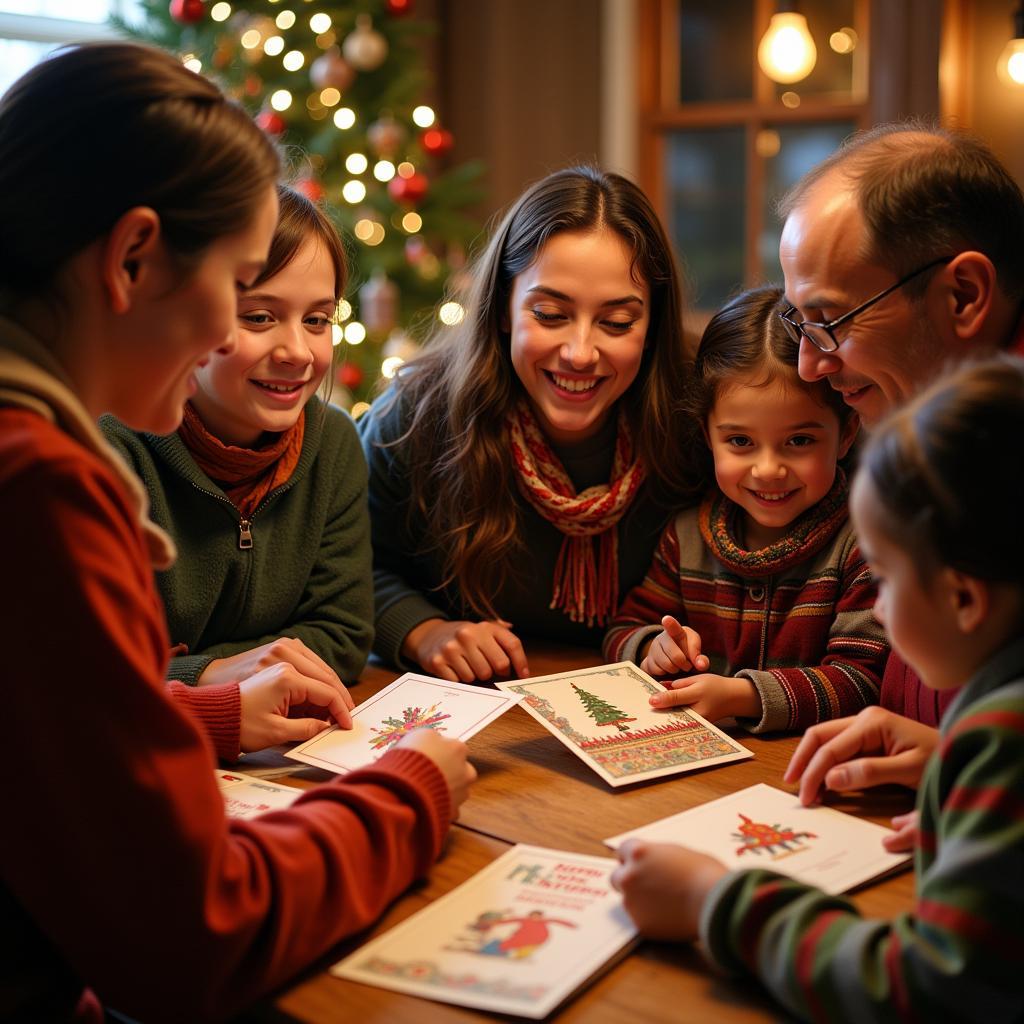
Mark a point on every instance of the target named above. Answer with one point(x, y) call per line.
point(807, 534)
point(1006, 665)
point(32, 378)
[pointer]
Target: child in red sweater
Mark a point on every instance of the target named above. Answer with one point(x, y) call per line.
point(121, 880)
point(761, 598)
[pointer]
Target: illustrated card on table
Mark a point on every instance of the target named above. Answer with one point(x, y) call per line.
point(246, 796)
point(410, 702)
point(603, 715)
point(518, 937)
point(764, 827)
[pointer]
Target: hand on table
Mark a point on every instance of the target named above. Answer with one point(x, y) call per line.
point(664, 886)
point(466, 651)
point(675, 649)
point(712, 697)
point(268, 695)
point(450, 756)
point(829, 754)
point(904, 838)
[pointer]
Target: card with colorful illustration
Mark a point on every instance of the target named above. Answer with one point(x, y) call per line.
point(410, 702)
point(764, 827)
point(604, 716)
point(246, 796)
point(518, 937)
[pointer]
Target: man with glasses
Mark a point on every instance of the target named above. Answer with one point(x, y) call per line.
point(903, 253)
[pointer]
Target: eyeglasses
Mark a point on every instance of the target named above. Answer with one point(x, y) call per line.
point(822, 336)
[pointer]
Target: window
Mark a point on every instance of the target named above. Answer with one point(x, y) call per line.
point(720, 142)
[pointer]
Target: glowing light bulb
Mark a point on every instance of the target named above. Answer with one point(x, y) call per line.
point(293, 60)
point(192, 62)
point(451, 314)
point(358, 409)
point(355, 333)
point(281, 100)
point(383, 170)
point(337, 335)
point(220, 12)
point(356, 163)
point(320, 23)
point(344, 117)
point(390, 366)
point(787, 52)
point(344, 310)
point(423, 117)
point(1010, 66)
point(284, 20)
point(273, 45)
point(353, 191)
point(412, 222)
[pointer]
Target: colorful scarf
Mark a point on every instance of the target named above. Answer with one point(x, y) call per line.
point(808, 533)
point(586, 580)
point(245, 475)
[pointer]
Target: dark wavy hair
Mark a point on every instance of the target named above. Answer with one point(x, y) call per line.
point(461, 390)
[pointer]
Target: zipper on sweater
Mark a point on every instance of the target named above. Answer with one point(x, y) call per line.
point(764, 625)
point(244, 525)
point(244, 534)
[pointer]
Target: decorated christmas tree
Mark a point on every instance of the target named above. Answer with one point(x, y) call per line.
point(342, 87)
point(601, 711)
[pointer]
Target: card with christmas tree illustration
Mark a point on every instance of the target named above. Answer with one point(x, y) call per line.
point(246, 796)
point(764, 827)
point(604, 716)
point(411, 702)
point(518, 937)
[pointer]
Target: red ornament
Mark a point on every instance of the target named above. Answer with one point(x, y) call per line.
point(350, 376)
point(398, 8)
point(409, 190)
point(310, 188)
point(271, 122)
point(437, 140)
point(188, 12)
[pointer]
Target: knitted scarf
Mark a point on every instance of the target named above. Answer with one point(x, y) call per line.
point(245, 475)
point(807, 535)
point(586, 579)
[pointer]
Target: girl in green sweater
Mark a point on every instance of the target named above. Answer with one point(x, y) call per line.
point(263, 489)
point(950, 569)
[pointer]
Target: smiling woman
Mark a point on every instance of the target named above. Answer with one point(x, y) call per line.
point(520, 471)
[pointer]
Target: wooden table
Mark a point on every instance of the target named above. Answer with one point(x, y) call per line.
point(532, 789)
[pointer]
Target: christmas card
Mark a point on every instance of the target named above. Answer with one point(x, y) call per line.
point(410, 702)
point(763, 827)
point(518, 937)
point(603, 715)
point(246, 796)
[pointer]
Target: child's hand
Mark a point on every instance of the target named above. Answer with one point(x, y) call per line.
point(466, 651)
point(905, 837)
point(450, 756)
point(712, 697)
point(827, 756)
point(675, 649)
point(664, 886)
point(266, 698)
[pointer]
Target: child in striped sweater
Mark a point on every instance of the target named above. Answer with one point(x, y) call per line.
point(950, 567)
point(765, 575)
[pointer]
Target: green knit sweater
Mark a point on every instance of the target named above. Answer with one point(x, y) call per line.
point(308, 572)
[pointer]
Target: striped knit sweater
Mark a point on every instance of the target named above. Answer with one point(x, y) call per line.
point(804, 602)
point(959, 956)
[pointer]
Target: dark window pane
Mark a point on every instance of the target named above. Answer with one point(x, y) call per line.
point(715, 50)
point(796, 148)
point(706, 177)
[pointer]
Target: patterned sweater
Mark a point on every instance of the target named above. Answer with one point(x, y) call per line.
point(804, 601)
point(959, 956)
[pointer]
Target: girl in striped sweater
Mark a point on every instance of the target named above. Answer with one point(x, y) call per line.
point(765, 575)
point(951, 594)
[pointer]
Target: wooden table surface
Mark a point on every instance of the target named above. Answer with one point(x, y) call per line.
point(532, 789)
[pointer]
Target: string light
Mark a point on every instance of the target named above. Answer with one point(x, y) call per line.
point(412, 222)
point(284, 20)
point(281, 99)
point(383, 170)
point(192, 62)
point(337, 335)
point(355, 333)
point(344, 311)
point(320, 23)
point(390, 366)
point(353, 192)
point(787, 52)
point(451, 314)
point(330, 97)
point(423, 117)
point(359, 408)
point(344, 117)
point(273, 45)
point(293, 60)
point(220, 12)
point(250, 39)
point(356, 163)
point(406, 169)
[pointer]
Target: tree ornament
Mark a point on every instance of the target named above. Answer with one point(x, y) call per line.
point(399, 8)
point(187, 12)
point(437, 140)
point(409, 190)
point(271, 122)
point(350, 376)
point(310, 188)
point(385, 136)
point(365, 48)
point(415, 249)
point(331, 71)
point(378, 303)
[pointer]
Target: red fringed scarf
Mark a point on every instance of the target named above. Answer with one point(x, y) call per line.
point(586, 583)
point(245, 475)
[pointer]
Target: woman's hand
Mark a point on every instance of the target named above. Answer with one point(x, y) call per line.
point(466, 651)
point(712, 697)
point(664, 887)
point(828, 754)
point(675, 649)
point(268, 695)
point(450, 756)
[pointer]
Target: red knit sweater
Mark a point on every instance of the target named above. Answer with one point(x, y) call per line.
point(119, 872)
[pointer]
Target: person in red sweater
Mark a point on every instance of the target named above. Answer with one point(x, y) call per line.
point(122, 883)
point(901, 257)
point(757, 604)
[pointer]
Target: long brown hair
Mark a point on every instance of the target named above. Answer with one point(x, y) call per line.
point(461, 390)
